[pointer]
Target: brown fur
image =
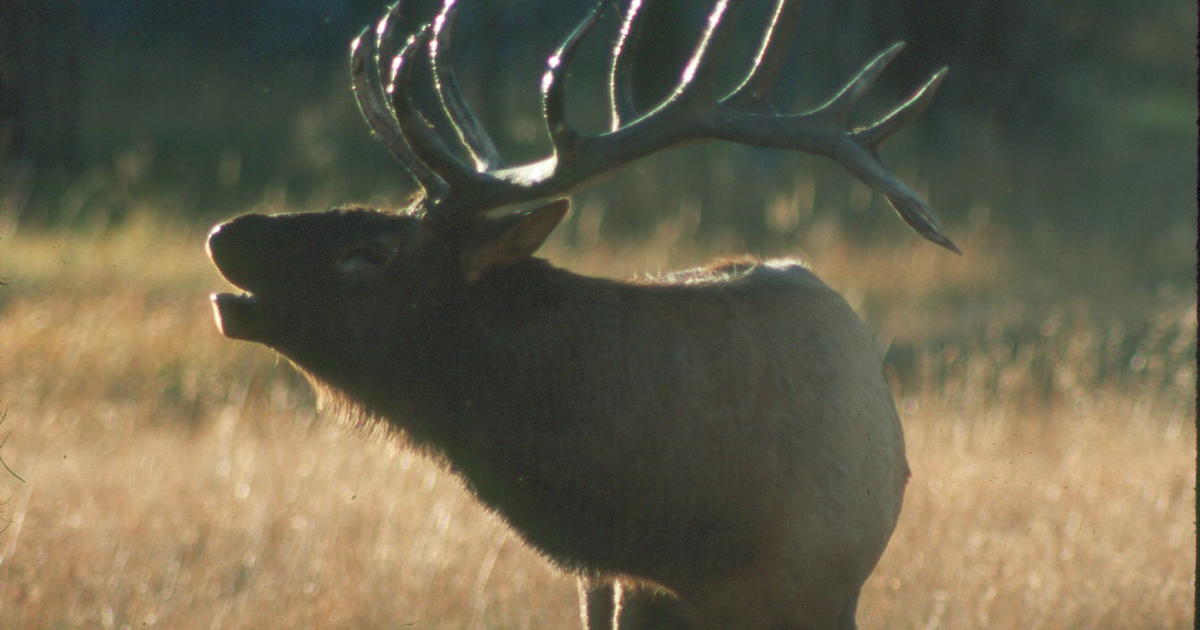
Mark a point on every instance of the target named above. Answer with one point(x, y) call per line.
point(724, 433)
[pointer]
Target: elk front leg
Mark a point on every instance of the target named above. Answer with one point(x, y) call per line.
point(613, 606)
point(597, 604)
point(649, 609)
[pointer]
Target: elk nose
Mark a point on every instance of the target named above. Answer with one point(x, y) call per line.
point(246, 226)
point(236, 248)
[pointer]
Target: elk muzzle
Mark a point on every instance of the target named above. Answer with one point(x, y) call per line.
point(237, 249)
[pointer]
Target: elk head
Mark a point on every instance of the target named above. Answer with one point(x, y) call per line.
point(317, 284)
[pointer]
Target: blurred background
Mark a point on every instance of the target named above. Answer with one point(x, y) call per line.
point(159, 474)
point(1079, 116)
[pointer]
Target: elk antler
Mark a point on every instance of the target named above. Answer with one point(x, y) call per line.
point(457, 189)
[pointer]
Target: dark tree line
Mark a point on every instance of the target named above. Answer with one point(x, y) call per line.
point(1003, 53)
point(40, 81)
point(59, 58)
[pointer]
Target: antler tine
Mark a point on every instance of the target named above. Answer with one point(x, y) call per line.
point(822, 131)
point(919, 216)
point(756, 88)
point(694, 95)
point(620, 84)
point(562, 135)
point(906, 112)
point(428, 147)
point(864, 164)
point(471, 134)
point(815, 134)
point(697, 86)
point(368, 93)
point(838, 107)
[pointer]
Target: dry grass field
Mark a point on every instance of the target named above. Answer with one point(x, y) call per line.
point(171, 478)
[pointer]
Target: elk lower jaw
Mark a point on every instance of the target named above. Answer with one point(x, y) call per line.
point(237, 316)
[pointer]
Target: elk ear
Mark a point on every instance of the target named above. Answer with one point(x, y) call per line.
point(512, 239)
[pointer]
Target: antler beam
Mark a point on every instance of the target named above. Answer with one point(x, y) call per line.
point(692, 112)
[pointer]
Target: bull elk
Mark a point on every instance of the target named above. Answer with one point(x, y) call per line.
point(715, 448)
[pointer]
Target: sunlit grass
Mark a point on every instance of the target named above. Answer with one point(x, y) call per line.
point(177, 479)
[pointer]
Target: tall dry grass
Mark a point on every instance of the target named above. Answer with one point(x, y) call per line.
point(176, 479)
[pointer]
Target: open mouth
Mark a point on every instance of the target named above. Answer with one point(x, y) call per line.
point(229, 245)
point(237, 315)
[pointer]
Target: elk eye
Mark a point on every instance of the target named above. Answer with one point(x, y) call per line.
point(364, 257)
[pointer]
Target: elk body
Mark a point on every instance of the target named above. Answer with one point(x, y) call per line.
point(716, 448)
